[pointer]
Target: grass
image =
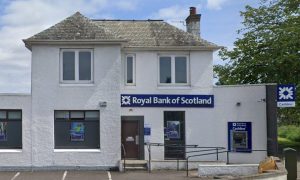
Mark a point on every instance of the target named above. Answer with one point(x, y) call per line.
point(284, 142)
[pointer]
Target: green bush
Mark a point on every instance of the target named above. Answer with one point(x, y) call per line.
point(290, 132)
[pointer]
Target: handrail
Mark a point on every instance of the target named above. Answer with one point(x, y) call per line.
point(227, 152)
point(192, 146)
point(124, 152)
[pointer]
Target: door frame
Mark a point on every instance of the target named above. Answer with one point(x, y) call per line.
point(140, 121)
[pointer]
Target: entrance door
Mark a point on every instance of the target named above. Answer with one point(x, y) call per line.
point(132, 131)
point(174, 127)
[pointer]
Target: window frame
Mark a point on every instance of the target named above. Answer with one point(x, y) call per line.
point(84, 120)
point(76, 80)
point(9, 120)
point(133, 70)
point(173, 73)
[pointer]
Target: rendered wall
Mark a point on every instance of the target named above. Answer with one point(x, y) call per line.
point(49, 95)
point(20, 157)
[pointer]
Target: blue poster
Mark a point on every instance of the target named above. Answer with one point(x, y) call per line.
point(3, 131)
point(286, 95)
point(167, 100)
point(173, 130)
point(77, 131)
point(240, 137)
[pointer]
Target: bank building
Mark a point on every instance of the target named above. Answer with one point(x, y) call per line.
point(106, 90)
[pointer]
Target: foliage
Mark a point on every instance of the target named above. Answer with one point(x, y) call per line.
point(284, 143)
point(268, 50)
point(289, 132)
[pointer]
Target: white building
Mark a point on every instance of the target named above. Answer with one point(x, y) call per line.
point(81, 68)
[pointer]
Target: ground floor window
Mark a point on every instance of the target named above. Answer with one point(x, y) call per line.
point(76, 129)
point(10, 129)
point(174, 134)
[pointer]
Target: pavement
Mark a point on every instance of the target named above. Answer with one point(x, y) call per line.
point(95, 175)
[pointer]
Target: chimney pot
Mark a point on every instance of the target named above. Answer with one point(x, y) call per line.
point(193, 11)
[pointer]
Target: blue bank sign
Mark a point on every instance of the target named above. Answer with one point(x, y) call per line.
point(286, 95)
point(166, 100)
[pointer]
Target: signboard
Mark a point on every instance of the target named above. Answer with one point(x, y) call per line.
point(239, 137)
point(165, 100)
point(286, 95)
point(77, 131)
point(147, 133)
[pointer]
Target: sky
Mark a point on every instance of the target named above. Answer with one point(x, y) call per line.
point(20, 19)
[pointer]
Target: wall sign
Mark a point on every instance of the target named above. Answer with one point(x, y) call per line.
point(286, 95)
point(147, 133)
point(240, 137)
point(165, 100)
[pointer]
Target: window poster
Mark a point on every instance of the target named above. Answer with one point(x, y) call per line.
point(173, 129)
point(77, 131)
point(3, 131)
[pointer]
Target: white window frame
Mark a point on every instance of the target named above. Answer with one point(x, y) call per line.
point(76, 81)
point(173, 74)
point(133, 70)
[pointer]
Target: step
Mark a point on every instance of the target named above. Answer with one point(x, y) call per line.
point(136, 168)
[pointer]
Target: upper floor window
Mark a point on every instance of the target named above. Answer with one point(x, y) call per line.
point(173, 70)
point(130, 70)
point(10, 129)
point(76, 66)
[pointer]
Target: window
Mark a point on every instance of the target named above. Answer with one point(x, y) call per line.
point(76, 66)
point(173, 70)
point(10, 129)
point(130, 70)
point(76, 129)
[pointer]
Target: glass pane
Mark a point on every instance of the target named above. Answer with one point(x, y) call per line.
point(62, 114)
point(129, 70)
point(14, 115)
point(165, 69)
point(92, 115)
point(85, 65)
point(2, 114)
point(68, 65)
point(180, 70)
point(77, 114)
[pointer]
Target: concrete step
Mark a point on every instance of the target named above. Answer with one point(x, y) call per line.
point(136, 168)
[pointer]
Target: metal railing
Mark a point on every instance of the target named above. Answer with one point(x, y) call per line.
point(198, 149)
point(124, 158)
point(219, 152)
point(183, 151)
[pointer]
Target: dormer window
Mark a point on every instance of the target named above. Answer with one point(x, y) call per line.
point(76, 66)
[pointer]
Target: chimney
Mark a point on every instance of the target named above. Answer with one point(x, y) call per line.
point(193, 22)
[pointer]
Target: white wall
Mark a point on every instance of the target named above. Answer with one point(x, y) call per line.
point(49, 95)
point(22, 157)
point(208, 126)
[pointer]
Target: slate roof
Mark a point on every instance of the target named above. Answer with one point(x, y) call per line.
point(136, 33)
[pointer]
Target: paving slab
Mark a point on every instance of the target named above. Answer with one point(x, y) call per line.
point(7, 175)
point(40, 175)
point(154, 175)
point(86, 175)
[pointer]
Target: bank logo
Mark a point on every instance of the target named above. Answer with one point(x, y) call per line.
point(286, 93)
point(125, 100)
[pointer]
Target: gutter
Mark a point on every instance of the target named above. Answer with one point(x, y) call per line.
point(29, 43)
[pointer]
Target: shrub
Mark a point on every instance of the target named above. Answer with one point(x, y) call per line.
point(290, 132)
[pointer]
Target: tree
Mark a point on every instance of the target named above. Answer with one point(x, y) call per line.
point(268, 50)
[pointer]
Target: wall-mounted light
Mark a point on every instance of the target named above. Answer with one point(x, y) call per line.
point(102, 103)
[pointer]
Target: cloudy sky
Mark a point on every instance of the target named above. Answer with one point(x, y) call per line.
point(20, 19)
